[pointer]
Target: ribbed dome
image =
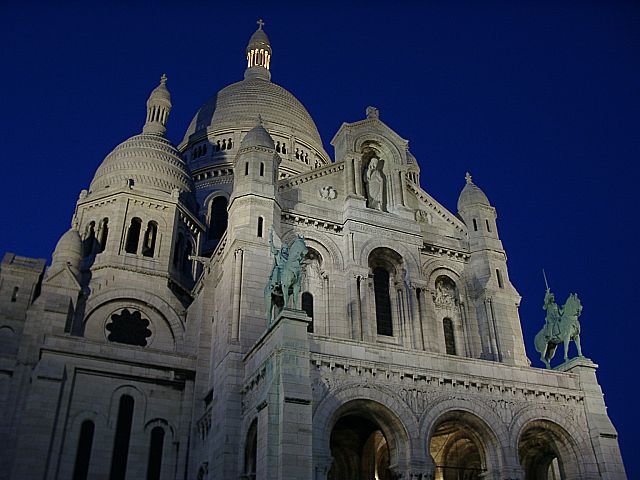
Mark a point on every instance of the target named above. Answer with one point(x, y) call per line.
point(472, 195)
point(69, 249)
point(238, 105)
point(150, 160)
point(258, 137)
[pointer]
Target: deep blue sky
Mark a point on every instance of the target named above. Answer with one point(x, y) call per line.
point(539, 101)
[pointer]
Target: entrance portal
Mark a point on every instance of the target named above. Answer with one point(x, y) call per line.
point(359, 450)
point(456, 451)
point(539, 451)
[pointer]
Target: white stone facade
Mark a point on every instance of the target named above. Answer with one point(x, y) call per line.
point(143, 351)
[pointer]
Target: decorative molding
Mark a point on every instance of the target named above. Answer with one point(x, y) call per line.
point(292, 182)
point(297, 219)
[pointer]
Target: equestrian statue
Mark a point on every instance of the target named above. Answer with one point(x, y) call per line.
point(561, 326)
point(286, 275)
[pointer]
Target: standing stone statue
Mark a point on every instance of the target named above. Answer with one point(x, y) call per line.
point(561, 326)
point(285, 279)
point(375, 184)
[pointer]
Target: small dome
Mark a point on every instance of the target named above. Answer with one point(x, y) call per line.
point(150, 160)
point(259, 39)
point(258, 137)
point(69, 249)
point(160, 93)
point(472, 195)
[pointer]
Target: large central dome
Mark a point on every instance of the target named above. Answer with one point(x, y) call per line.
point(222, 122)
point(238, 105)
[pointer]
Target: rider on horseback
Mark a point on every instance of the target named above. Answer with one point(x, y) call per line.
point(280, 259)
point(552, 320)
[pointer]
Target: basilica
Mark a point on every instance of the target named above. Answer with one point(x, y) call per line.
point(148, 349)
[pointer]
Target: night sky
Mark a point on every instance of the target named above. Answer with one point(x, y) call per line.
point(539, 101)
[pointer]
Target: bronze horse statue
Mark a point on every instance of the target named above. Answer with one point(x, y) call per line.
point(565, 328)
point(286, 277)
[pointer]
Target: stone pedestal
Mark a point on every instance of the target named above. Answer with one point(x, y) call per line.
point(604, 436)
point(285, 415)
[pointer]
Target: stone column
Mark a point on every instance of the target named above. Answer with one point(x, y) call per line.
point(349, 185)
point(237, 286)
point(604, 437)
point(416, 318)
point(357, 166)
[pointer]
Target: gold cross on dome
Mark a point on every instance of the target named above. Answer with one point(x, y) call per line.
point(260, 24)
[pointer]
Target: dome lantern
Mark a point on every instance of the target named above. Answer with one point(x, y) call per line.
point(158, 108)
point(258, 55)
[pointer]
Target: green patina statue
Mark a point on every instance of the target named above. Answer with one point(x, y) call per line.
point(561, 326)
point(286, 275)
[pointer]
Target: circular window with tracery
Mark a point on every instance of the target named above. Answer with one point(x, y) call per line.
point(128, 326)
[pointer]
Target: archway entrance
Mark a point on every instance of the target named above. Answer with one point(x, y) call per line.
point(359, 450)
point(456, 449)
point(540, 448)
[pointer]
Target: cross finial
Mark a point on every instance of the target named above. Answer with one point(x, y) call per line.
point(259, 119)
point(467, 177)
point(260, 24)
point(163, 79)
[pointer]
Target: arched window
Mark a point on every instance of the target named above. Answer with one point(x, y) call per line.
point(284, 148)
point(133, 235)
point(155, 453)
point(229, 144)
point(475, 225)
point(122, 438)
point(14, 295)
point(218, 218)
point(83, 453)
point(307, 306)
point(246, 168)
point(177, 251)
point(499, 277)
point(449, 338)
point(89, 239)
point(251, 450)
point(149, 245)
point(260, 225)
point(103, 233)
point(261, 169)
point(384, 322)
point(488, 225)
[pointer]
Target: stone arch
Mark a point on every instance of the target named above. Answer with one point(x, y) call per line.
point(488, 428)
point(572, 443)
point(409, 259)
point(139, 408)
point(386, 145)
point(143, 300)
point(160, 422)
point(323, 244)
point(396, 420)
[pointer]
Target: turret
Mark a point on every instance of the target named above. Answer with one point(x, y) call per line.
point(254, 183)
point(496, 301)
point(480, 217)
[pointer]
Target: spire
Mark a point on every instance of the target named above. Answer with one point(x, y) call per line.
point(467, 177)
point(158, 108)
point(258, 55)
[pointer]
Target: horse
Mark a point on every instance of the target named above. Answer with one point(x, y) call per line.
point(569, 327)
point(286, 282)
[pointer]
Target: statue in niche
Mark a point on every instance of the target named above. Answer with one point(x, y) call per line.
point(375, 184)
point(445, 295)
